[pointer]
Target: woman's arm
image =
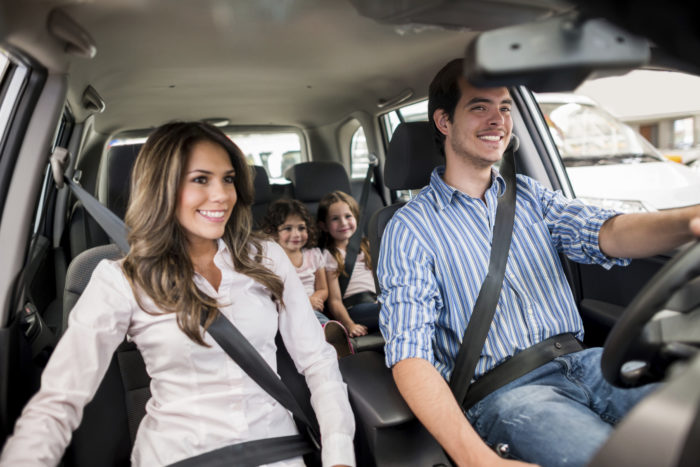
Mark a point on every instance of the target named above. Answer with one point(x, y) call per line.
point(97, 325)
point(338, 310)
point(320, 290)
point(318, 362)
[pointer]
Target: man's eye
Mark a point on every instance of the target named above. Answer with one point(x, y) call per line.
point(505, 109)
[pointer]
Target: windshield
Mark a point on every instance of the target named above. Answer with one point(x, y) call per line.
point(585, 134)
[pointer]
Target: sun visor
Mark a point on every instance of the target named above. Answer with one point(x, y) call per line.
point(552, 55)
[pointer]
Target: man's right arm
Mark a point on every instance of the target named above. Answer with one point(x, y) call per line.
point(410, 294)
point(429, 397)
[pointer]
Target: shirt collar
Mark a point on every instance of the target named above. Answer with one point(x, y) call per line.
point(444, 192)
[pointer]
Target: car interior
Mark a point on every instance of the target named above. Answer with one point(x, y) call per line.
point(92, 79)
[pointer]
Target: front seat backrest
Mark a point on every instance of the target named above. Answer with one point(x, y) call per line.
point(108, 427)
point(263, 194)
point(411, 158)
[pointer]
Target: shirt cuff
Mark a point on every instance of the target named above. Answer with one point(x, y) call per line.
point(337, 449)
point(590, 238)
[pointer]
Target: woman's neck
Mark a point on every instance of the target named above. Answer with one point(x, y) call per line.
point(202, 253)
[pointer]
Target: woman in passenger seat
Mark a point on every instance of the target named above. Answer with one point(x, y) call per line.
point(357, 308)
point(289, 223)
point(192, 252)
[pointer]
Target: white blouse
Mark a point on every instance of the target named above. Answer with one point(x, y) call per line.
point(201, 400)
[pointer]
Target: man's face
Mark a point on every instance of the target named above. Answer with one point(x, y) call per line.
point(480, 129)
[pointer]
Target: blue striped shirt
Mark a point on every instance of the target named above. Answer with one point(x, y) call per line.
point(435, 254)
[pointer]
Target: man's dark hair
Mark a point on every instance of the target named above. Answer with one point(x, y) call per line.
point(444, 93)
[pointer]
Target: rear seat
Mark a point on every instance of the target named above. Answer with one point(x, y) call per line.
point(312, 180)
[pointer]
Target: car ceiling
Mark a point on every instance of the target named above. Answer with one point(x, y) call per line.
point(255, 62)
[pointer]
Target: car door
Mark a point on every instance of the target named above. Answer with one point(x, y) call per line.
point(31, 102)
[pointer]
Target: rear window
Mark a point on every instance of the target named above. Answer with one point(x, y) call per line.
point(276, 151)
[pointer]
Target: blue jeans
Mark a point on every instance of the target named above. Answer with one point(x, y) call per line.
point(367, 314)
point(558, 414)
point(323, 319)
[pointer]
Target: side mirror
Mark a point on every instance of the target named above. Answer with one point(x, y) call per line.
point(552, 55)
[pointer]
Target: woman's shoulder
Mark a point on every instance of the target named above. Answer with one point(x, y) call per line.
point(273, 253)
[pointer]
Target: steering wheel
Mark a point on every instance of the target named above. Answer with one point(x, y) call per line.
point(628, 341)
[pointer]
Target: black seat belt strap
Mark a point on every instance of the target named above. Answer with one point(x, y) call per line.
point(250, 453)
point(353, 248)
point(249, 359)
point(485, 306)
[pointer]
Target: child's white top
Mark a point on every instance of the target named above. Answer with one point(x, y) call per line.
point(361, 279)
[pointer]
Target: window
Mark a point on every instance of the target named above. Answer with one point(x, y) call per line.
point(683, 133)
point(608, 162)
point(276, 151)
point(359, 154)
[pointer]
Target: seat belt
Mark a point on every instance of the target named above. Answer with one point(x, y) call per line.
point(353, 248)
point(230, 340)
point(262, 451)
point(111, 223)
point(485, 306)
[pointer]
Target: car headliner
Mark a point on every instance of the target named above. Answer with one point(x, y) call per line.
point(297, 62)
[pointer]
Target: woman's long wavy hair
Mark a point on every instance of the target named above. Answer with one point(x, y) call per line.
point(158, 263)
point(328, 242)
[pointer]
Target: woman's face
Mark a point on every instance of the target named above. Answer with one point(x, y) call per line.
point(207, 193)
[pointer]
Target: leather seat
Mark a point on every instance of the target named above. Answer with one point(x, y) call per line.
point(312, 180)
point(411, 158)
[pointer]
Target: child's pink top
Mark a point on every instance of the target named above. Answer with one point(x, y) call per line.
point(312, 261)
point(361, 279)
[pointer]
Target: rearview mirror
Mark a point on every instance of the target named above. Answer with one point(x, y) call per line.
point(552, 55)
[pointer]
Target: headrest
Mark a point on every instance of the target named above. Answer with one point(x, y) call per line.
point(312, 180)
point(115, 177)
point(261, 184)
point(412, 156)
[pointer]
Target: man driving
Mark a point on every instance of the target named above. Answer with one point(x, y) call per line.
point(434, 257)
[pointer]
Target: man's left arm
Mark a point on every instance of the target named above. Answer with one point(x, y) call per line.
point(640, 235)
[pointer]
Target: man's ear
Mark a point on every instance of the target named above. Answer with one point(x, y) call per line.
point(441, 119)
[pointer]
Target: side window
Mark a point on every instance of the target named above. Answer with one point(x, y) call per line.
point(13, 80)
point(359, 154)
point(617, 139)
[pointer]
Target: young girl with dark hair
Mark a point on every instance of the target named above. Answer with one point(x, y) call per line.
point(289, 223)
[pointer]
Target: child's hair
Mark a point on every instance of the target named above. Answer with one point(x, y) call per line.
point(279, 210)
point(328, 242)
